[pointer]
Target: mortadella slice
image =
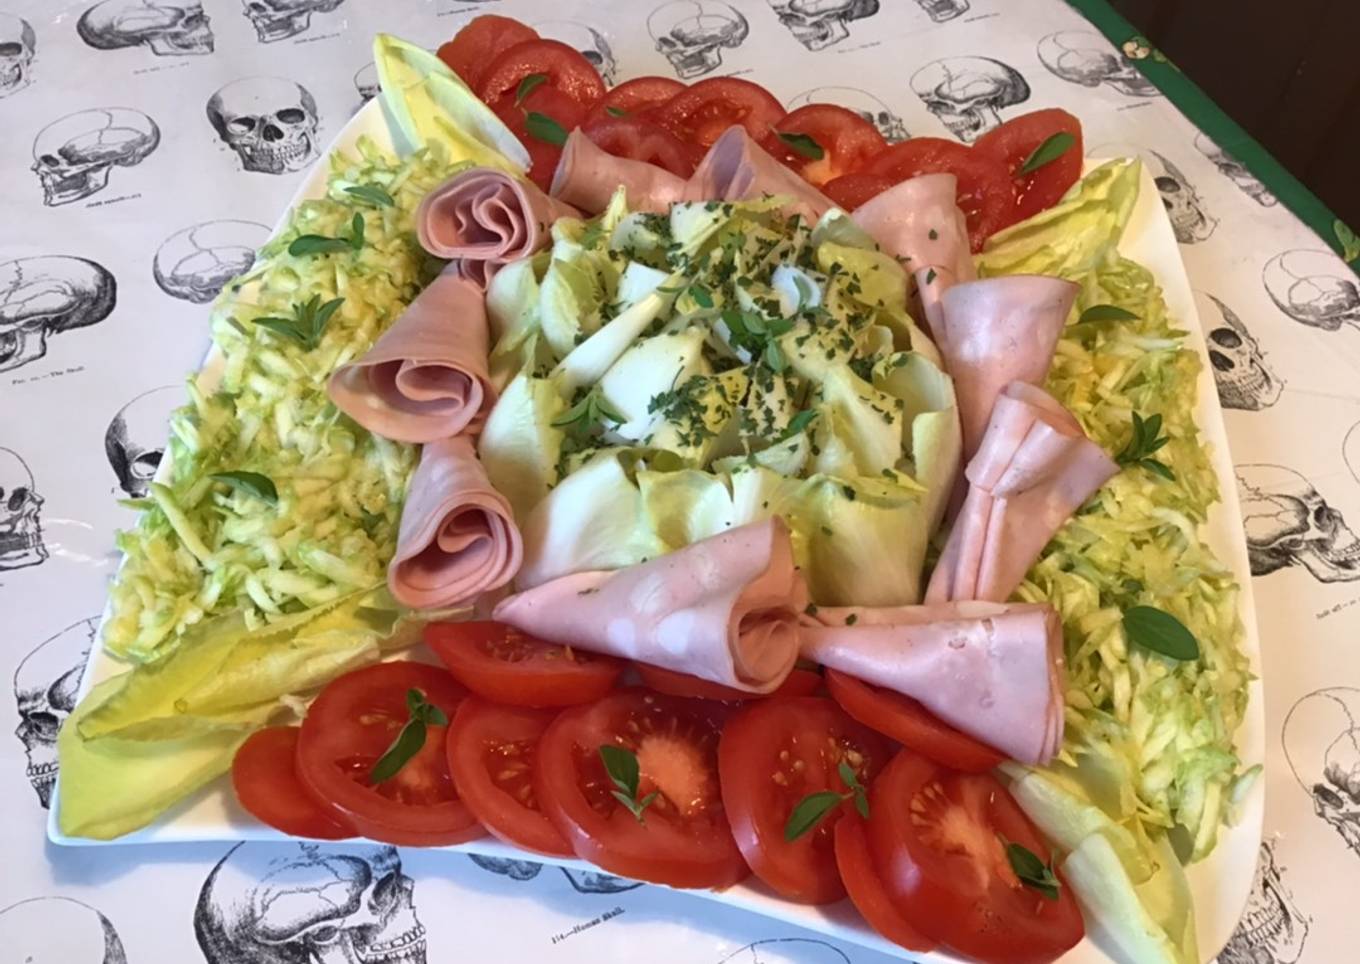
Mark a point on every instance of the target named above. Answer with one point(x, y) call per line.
point(1034, 470)
point(457, 538)
point(990, 670)
point(736, 168)
point(587, 177)
point(426, 377)
point(725, 609)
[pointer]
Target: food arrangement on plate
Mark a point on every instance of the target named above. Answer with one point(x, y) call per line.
point(740, 495)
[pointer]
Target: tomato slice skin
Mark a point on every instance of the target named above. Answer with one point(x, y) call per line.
point(851, 190)
point(501, 664)
point(565, 67)
point(800, 682)
point(550, 102)
point(1012, 144)
point(935, 837)
point(911, 724)
point(634, 98)
point(847, 140)
point(866, 889)
point(701, 112)
point(349, 727)
point(264, 776)
point(772, 755)
point(641, 140)
point(491, 750)
point(684, 844)
point(479, 42)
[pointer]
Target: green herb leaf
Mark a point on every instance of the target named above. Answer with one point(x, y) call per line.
point(544, 128)
point(1099, 313)
point(809, 812)
point(251, 483)
point(1145, 440)
point(616, 111)
point(1350, 243)
point(240, 328)
point(372, 194)
point(1158, 468)
point(285, 327)
point(423, 710)
point(804, 145)
point(1161, 632)
point(622, 767)
point(407, 744)
point(798, 423)
point(701, 296)
point(591, 411)
point(1032, 871)
point(774, 359)
point(862, 803)
point(527, 85)
point(356, 227)
point(1053, 147)
point(305, 244)
point(848, 775)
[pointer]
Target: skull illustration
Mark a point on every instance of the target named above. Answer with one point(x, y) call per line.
point(1086, 58)
point(73, 156)
point(366, 82)
point(594, 882)
point(1322, 744)
point(821, 23)
point(308, 903)
point(58, 930)
point(196, 263)
point(1235, 171)
point(279, 19)
point(942, 10)
point(589, 41)
point(136, 438)
point(1272, 929)
point(1189, 219)
point(968, 93)
point(40, 297)
point(164, 26)
point(1288, 523)
point(507, 867)
point(692, 33)
point(1314, 288)
point(21, 540)
point(268, 121)
point(787, 950)
point(864, 104)
point(45, 687)
point(1243, 378)
point(18, 43)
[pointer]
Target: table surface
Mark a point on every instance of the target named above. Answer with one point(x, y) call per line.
point(79, 404)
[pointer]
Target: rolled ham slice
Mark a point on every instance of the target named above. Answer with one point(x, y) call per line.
point(725, 609)
point(1034, 470)
point(426, 377)
point(457, 538)
point(992, 671)
point(587, 177)
point(736, 168)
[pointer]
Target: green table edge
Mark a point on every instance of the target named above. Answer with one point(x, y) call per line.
point(1186, 95)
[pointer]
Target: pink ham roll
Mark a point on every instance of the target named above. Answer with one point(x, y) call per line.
point(736, 168)
point(587, 177)
point(992, 671)
point(426, 378)
point(1034, 470)
point(724, 609)
point(457, 538)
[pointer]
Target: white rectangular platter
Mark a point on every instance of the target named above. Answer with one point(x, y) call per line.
point(1220, 883)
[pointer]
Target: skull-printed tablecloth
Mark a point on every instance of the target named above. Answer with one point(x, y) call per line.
point(148, 143)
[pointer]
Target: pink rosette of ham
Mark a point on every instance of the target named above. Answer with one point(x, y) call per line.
point(736, 168)
point(587, 177)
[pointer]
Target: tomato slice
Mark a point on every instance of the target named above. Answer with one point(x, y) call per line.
point(772, 755)
point(846, 139)
point(565, 67)
point(491, 751)
point(984, 194)
point(544, 151)
point(683, 838)
point(265, 779)
point(865, 887)
point(642, 140)
point(350, 726)
point(851, 190)
point(504, 665)
point(700, 113)
point(936, 837)
point(1012, 144)
point(479, 42)
point(634, 98)
point(800, 682)
point(910, 723)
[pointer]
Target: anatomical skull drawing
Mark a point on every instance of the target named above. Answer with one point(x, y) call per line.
point(21, 537)
point(863, 103)
point(1235, 171)
point(817, 24)
point(1190, 219)
point(1243, 377)
point(270, 123)
point(692, 34)
point(58, 930)
point(73, 156)
point(45, 688)
point(194, 264)
point(42, 297)
point(279, 19)
point(1272, 929)
point(165, 27)
point(968, 94)
point(1315, 288)
point(1288, 523)
point(136, 438)
point(1321, 739)
point(1086, 58)
point(18, 47)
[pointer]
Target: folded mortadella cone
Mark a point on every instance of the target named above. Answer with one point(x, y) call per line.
point(724, 609)
point(484, 216)
point(992, 671)
point(736, 168)
point(457, 538)
point(587, 177)
point(426, 377)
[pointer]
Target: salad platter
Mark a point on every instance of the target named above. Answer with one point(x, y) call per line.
point(1218, 881)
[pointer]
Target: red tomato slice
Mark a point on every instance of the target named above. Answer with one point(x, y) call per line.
point(846, 139)
point(265, 779)
point(849, 191)
point(1012, 144)
point(936, 839)
point(701, 112)
point(351, 725)
point(480, 41)
point(772, 755)
point(683, 839)
point(501, 664)
point(633, 98)
point(911, 724)
point(565, 67)
point(544, 151)
point(800, 682)
point(985, 192)
point(491, 753)
point(866, 890)
point(641, 140)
